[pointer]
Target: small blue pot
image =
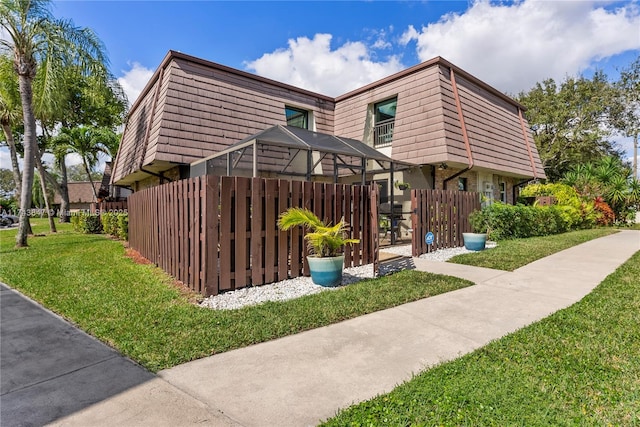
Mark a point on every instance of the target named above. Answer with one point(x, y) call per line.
point(474, 241)
point(326, 271)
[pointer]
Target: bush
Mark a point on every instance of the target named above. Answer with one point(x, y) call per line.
point(605, 215)
point(90, 224)
point(123, 226)
point(515, 222)
point(116, 224)
point(110, 223)
point(86, 223)
point(576, 211)
point(75, 222)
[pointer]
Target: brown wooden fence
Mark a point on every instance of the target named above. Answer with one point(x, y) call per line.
point(219, 233)
point(445, 214)
point(102, 207)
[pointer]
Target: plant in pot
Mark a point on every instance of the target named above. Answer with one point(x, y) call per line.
point(477, 240)
point(325, 243)
point(402, 185)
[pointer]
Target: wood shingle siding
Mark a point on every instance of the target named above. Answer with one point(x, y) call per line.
point(194, 108)
point(202, 108)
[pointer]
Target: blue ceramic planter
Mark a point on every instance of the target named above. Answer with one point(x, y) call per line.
point(326, 271)
point(474, 241)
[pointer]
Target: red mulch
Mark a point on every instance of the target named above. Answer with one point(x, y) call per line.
point(191, 296)
point(136, 257)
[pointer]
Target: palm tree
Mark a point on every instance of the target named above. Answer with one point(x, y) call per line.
point(37, 39)
point(89, 144)
point(10, 114)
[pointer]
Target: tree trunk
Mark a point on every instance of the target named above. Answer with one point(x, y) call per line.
point(30, 149)
point(64, 193)
point(635, 156)
point(17, 176)
point(93, 187)
point(45, 195)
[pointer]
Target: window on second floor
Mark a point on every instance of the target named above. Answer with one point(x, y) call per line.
point(297, 117)
point(385, 116)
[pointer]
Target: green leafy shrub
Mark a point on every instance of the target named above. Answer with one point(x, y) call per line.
point(123, 226)
point(109, 223)
point(90, 224)
point(75, 222)
point(502, 221)
point(576, 211)
point(116, 224)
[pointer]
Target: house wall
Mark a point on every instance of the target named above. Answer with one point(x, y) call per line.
point(193, 108)
point(200, 108)
point(493, 127)
point(419, 131)
point(475, 180)
point(428, 129)
point(152, 181)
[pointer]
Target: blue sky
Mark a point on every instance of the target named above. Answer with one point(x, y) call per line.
point(333, 47)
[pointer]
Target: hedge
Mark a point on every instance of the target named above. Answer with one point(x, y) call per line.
point(114, 224)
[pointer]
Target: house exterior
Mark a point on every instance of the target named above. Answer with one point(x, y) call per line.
point(456, 131)
point(80, 195)
point(108, 192)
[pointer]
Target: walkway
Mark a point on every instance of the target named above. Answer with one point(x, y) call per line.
point(302, 379)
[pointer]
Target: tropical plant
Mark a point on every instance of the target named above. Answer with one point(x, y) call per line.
point(577, 211)
point(605, 215)
point(608, 179)
point(324, 240)
point(10, 115)
point(89, 144)
point(36, 39)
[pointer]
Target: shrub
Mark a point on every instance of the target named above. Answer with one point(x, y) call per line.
point(514, 222)
point(90, 224)
point(605, 215)
point(576, 211)
point(109, 223)
point(123, 226)
point(116, 224)
point(75, 222)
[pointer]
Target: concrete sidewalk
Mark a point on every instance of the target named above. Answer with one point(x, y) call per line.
point(302, 379)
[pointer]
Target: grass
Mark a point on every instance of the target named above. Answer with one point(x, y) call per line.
point(580, 366)
point(134, 308)
point(512, 254)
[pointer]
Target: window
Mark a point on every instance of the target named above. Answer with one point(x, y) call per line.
point(297, 117)
point(462, 184)
point(385, 116)
point(503, 192)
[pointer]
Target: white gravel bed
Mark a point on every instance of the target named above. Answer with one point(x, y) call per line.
point(446, 254)
point(300, 286)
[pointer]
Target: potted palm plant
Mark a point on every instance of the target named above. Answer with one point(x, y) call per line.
point(325, 243)
point(477, 240)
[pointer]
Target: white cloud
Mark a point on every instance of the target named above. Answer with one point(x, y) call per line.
point(5, 158)
point(134, 80)
point(312, 64)
point(514, 46)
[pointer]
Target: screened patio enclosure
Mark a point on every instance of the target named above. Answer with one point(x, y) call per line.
point(296, 153)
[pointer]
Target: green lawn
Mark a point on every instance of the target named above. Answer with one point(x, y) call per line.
point(88, 280)
point(512, 254)
point(578, 367)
